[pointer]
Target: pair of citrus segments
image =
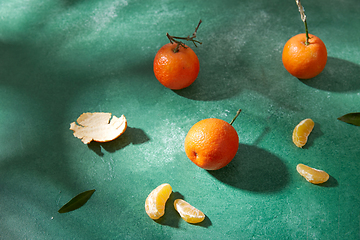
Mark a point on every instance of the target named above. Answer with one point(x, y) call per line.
point(155, 205)
point(299, 137)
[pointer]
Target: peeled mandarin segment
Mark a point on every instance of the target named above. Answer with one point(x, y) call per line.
point(155, 202)
point(312, 175)
point(187, 212)
point(302, 131)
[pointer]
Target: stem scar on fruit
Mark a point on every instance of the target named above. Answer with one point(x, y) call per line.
point(172, 39)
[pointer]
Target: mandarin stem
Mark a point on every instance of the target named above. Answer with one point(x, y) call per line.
point(303, 18)
point(306, 33)
point(237, 114)
point(172, 39)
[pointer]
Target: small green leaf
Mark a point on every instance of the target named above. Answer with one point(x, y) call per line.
point(77, 202)
point(351, 118)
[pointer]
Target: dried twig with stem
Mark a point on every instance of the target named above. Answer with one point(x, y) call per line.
point(173, 39)
point(303, 18)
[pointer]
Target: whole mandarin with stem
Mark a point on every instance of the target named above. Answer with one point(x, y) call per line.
point(212, 143)
point(176, 70)
point(304, 56)
point(176, 66)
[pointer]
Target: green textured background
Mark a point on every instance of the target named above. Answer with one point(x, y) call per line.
point(60, 58)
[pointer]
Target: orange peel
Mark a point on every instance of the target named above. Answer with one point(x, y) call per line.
point(98, 127)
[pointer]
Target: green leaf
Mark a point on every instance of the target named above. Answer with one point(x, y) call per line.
point(351, 118)
point(77, 202)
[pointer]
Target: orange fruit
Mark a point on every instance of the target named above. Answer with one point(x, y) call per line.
point(155, 202)
point(312, 175)
point(187, 212)
point(176, 70)
point(211, 143)
point(302, 131)
point(304, 61)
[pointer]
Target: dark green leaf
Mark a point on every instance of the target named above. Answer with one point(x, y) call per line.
point(352, 118)
point(77, 202)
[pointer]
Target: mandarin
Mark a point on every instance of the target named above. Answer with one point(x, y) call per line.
point(156, 200)
point(312, 175)
point(302, 60)
point(176, 70)
point(211, 143)
point(187, 212)
point(302, 131)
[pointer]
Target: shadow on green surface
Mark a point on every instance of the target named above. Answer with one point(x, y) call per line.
point(332, 182)
point(131, 135)
point(206, 223)
point(216, 82)
point(338, 76)
point(315, 134)
point(254, 169)
point(171, 217)
point(71, 2)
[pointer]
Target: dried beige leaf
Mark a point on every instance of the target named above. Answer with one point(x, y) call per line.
point(98, 127)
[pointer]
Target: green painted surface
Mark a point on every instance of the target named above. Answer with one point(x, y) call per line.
point(60, 58)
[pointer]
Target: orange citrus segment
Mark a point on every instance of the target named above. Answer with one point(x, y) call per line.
point(155, 202)
point(302, 131)
point(187, 212)
point(312, 175)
